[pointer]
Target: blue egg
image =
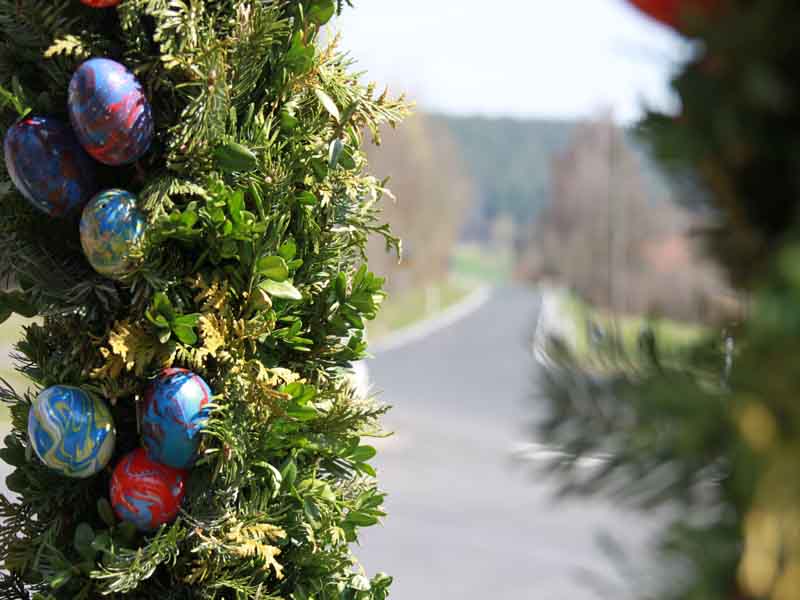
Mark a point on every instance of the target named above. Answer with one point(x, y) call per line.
point(109, 112)
point(48, 166)
point(71, 432)
point(176, 411)
point(112, 231)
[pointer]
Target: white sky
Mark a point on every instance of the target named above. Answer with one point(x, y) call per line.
point(551, 58)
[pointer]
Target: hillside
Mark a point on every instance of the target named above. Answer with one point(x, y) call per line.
point(511, 159)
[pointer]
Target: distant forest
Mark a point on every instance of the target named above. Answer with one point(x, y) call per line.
point(511, 161)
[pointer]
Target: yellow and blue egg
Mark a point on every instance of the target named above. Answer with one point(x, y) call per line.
point(112, 231)
point(70, 431)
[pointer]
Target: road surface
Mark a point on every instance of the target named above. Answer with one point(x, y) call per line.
point(466, 521)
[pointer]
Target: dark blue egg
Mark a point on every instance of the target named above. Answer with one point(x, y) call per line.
point(48, 165)
point(109, 112)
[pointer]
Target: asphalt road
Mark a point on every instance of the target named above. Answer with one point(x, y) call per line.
point(466, 520)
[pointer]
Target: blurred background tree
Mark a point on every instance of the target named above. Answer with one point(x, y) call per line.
point(436, 194)
point(709, 434)
point(613, 233)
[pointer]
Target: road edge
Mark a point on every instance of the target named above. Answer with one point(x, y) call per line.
point(423, 329)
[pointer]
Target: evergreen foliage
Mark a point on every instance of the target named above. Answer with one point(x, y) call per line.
point(253, 276)
point(711, 433)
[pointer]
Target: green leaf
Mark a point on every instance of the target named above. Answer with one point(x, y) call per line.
point(236, 206)
point(306, 198)
point(60, 579)
point(302, 413)
point(158, 320)
point(288, 121)
point(190, 320)
point(341, 287)
point(288, 474)
point(312, 511)
point(185, 334)
point(82, 541)
point(361, 519)
point(281, 289)
point(273, 267)
point(105, 511)
point(321, 11)
point(234, 157)
point(328, 103)
point(363, 453)
point(288, 249)
point(366, 468)
point(162, 305)
point(334, 152)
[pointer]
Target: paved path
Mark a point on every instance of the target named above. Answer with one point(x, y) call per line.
point(465, 521)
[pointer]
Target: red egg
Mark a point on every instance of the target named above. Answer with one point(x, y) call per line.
point(676, 12)
point(101, 3)
point(146, 493)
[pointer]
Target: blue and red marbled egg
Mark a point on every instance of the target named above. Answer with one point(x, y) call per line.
point(176, 411)
point(48, 165)
point(71, 432)
point(146, 493)
point(109, 112)
point(101, 3)
point(112, 232)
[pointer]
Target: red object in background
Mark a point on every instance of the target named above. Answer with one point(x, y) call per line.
point(101, 3)
point(675, 12)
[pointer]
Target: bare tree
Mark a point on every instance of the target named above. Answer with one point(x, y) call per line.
point(607, 238)
point(434, 193)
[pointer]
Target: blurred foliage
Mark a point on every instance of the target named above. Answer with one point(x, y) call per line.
point(710, 434)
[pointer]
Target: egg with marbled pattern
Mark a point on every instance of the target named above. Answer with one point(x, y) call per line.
point(112, 232)
point(109, 112)
point(70, 431)
point(101, 3)
point(48, 166)
point(146, 493)
point(176, 411)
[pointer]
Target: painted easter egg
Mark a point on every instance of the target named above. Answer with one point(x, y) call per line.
point(112, 231)
point(146, 493)
point(70, 431)
point(676, 13)
point(176, 411)
point(101, 3)
point(48, 166)
point(109, 112)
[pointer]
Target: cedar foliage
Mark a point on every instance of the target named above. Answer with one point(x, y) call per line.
point(255, 279)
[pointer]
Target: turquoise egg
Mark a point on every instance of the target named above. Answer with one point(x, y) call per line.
point(70, 431)
point(112, 231)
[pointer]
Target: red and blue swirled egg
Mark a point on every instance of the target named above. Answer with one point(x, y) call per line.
point(100, 3)
point(145, 492)
point(109, 112)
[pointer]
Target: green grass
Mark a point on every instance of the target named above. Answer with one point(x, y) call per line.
point(478, 263)
point(404, 309)
point(671, 335)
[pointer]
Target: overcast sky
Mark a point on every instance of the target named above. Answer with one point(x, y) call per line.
point(543, 58)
